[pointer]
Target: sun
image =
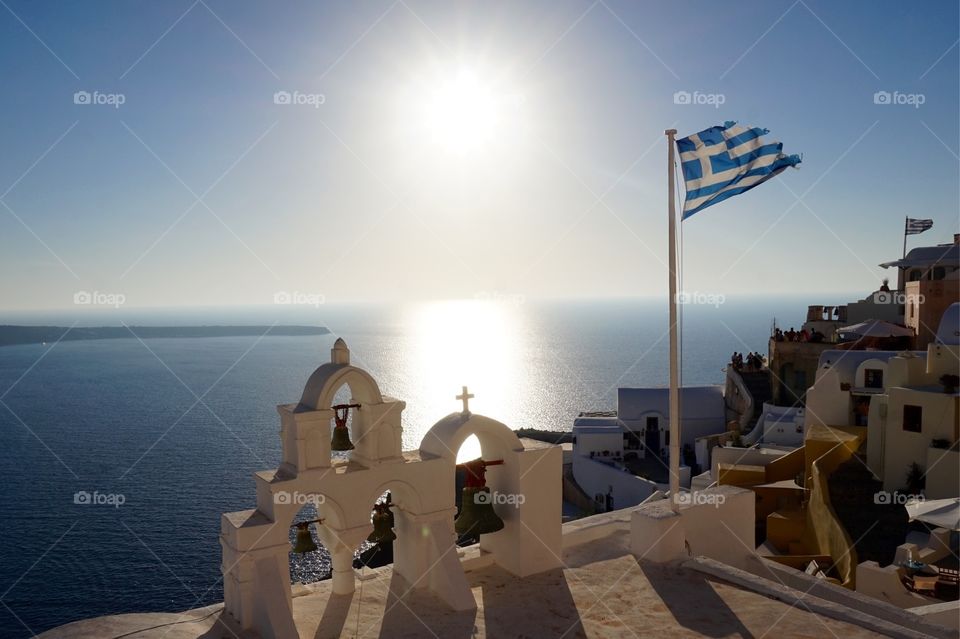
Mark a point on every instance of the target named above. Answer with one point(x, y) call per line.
point(462, 113)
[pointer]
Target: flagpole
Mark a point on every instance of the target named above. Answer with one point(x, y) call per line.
point(674, 364)
point(906, 222)
point(902, 283)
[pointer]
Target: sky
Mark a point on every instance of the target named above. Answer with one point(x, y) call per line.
point(206, 153)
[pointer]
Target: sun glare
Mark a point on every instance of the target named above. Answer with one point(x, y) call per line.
point(464, 112)
point(461, 114)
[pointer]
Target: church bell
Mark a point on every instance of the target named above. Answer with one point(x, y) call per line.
point(382, 525)
point(341, 436)
point(304, 541)
point(341, 439)
point(477, 516)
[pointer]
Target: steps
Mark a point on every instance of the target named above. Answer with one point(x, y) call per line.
point(875, 524)
point(758, 385)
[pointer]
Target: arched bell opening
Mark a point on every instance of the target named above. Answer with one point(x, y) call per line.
point(342, 434)
point(309, 559)
point(378, 548)
point(391, 502)
point(475, 497)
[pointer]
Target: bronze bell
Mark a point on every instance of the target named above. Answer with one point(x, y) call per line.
point(304, 542)
point(341, 436)
point(341, 439)
point(382, 525)
point(477, 516)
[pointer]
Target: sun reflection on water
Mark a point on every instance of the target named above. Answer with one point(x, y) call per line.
point(473, 343)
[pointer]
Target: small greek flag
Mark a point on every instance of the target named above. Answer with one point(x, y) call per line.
point(727, 160)
point(917, 226)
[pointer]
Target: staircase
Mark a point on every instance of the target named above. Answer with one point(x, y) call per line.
point(876, 526)
point(757, 383)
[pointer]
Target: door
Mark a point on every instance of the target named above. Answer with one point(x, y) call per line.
point(652, 437)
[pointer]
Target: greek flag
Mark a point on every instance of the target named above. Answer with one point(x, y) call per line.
point(727, 160)
point(917, 226)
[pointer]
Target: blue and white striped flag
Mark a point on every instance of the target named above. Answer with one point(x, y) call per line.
point(727, 160)
point(915, 226)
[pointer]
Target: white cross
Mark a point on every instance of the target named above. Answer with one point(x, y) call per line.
point(465, 398)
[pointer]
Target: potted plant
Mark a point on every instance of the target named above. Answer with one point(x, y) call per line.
point(950, 383)
point(916, 479)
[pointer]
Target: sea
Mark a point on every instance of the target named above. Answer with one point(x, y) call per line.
point(117, 457)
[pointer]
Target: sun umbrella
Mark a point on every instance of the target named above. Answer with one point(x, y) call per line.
point(942, 513)
point(876, 328)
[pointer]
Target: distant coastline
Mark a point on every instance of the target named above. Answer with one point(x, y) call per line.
point(12, 335)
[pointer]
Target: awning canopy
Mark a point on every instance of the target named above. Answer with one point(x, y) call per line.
point(942, 513)
point(927, 256)
point(876, 328)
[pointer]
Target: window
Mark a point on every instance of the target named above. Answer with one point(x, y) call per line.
point(915, 275)
point(938, 273)
point(861, 410)
point(912, 418)
point(873, 377)
point(667, 439)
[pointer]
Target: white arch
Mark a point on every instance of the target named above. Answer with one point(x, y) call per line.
point(446, 436)
point(327, 379)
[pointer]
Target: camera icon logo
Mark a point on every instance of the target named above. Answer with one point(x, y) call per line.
point(882, 497)
point(681, 97)
point(882, 97)
point(81, 497)
point(282, 97)
point(482, 497)
point(81, 97)
point(82, 297)
point(283, 497)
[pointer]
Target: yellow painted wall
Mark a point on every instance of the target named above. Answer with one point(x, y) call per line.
point(826, 448)
point(741, 475)
point(786, 467)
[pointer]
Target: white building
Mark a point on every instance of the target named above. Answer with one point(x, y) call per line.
point(645, 415)
point(606, 445)
point(900, 400)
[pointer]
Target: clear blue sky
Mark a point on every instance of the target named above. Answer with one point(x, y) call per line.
point(367, 197)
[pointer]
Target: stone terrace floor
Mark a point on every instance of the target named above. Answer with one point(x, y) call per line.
point(603, 592)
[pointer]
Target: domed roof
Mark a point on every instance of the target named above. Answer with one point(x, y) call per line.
point(949, 330)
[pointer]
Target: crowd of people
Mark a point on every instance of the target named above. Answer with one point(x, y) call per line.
point(803, 335)
point(752, 362)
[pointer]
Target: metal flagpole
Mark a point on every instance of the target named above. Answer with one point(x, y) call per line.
point(906, 221)
point(902, 284)
point(674, 364)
